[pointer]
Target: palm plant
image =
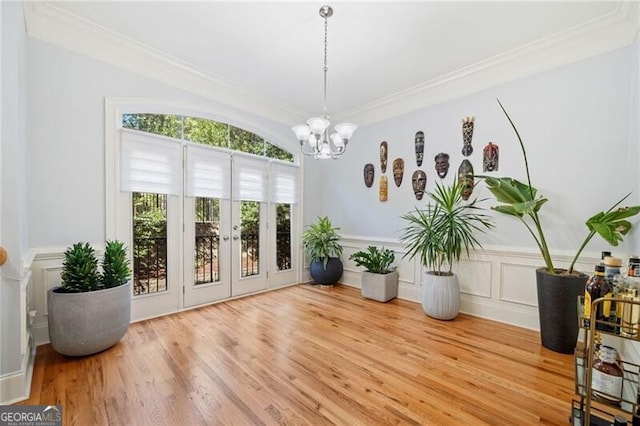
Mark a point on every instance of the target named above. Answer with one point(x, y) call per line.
point(440, 233)
point(320, 241)
point(522, 201)
point(377, 261)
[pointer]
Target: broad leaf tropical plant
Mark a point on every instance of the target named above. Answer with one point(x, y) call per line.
point(375, 260)
point(522, 201)
point(440, 233)
point(321, 241)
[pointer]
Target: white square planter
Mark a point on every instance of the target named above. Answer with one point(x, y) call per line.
point(380, 287)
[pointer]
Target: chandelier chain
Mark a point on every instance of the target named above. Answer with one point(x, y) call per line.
point(325, 69)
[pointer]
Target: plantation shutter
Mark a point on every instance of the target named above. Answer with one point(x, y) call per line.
point(150, 163)
point(250, 178)
point(208, 172)
point(284, 183)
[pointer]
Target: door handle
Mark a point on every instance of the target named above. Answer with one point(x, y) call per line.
point(225, 238)
point(235, 237)
point(235, 227)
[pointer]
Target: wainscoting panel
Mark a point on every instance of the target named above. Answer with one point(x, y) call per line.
point(474, 277)
point(495, 283)
point(518, 284)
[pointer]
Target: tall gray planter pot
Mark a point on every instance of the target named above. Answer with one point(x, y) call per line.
point(380, 287)
point(440, 296)
point(87, 323)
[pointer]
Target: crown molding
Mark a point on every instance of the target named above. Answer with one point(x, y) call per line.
point(49, 23)
point(603, 34)
point(617, 29)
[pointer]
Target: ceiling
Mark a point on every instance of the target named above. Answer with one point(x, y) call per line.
point(378, 52)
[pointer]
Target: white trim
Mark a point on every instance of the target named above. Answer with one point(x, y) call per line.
point(47, 22)
point(617, 29)
point(603, 34)
point(16, 386)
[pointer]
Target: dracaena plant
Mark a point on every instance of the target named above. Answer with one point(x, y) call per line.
point(522, 201)
point(440, 233)
point(375, 260)
point(321, 241)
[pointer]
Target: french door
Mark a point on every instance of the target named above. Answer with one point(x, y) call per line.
point(225, 249)
point(190, 249)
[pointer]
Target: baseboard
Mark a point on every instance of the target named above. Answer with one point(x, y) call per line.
point(16, 387)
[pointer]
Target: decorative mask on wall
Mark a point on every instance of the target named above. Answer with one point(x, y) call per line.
point(465, 177)
point(467, 135)
point(398, 171)
point(490, 157)
point(369, 173)
point(383, 156)
point(419, 182)
point(419, 148)
point(383, 188)
point(442, 164)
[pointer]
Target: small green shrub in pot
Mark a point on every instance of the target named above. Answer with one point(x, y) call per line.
point(115, 265)
point(80, 269)
point(91, 310)
point(377, 261)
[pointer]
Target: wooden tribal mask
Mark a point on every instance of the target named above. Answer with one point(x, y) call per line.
point(490, 157)
point(383, 188)
point(398, 171)
point(384, 149)
point(369, 173)
point(442, 164)
point(467, 135)
point(465, 177)
point(419, 182)
point(419, 147)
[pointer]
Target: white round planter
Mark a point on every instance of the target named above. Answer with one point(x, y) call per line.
point(87, 323)
point(440, 296)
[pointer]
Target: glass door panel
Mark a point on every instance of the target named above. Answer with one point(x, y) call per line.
point(207, 247)
point(249, 244)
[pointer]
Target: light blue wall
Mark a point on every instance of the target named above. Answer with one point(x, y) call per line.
point(13, 179)
point(66, 140)
point(575, 122)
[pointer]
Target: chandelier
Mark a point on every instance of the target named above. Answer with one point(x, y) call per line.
point(314, 136)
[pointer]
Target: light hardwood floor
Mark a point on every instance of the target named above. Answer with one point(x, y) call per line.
point(309, 355)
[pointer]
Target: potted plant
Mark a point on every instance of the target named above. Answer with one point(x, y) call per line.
point(380, 280)
point(91, 310)
point(321, 242)
point(558, 289)
point(437, 236)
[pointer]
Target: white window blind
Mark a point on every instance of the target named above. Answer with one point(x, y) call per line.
point(284, 183)
point(250, 179)
point(150, 163)
point(208, 172)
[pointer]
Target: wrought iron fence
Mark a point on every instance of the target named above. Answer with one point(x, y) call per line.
point(150, 259)
point(207, 268)
point(149, 265)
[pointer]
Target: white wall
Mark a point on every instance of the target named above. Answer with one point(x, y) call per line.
point(66, 140)
point(579, 125)
point(14, 350)
point(575, 123)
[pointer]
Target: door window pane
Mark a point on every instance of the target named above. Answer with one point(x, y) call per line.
point(149, 243)
point(283, 237)
point(207, 244)
point(249, 238)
